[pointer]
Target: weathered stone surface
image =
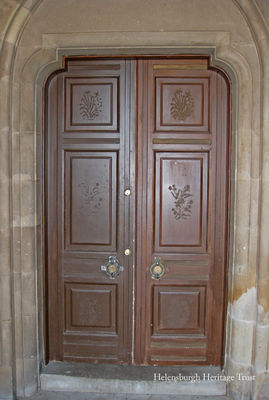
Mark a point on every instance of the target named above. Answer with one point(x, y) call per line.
point(30, 375)
point(27, 148)
point(30, 343)
point(28, 261)
point(18, 326)
point(6, 337)
point(264, 389)
point(5, 309)
point(242, 341)
point(244, 308)
point(7, 9)
point(13, 30)
point(7, 52)
point(6, 382)
point(241, 387)
point(29, 302)
point(261, 350)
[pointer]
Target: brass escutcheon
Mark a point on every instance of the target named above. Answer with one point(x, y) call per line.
point(157, 269)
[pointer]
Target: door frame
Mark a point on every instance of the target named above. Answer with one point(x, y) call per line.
point(226, 76)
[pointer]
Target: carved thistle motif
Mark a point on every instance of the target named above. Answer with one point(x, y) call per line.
point(182, 105)
point(183, 203)
point(90, 105)
point(91, 198)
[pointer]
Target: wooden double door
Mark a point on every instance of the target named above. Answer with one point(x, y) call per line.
point(136, 211)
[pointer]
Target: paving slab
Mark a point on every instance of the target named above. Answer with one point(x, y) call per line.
point(132, 380)
point(102, 396)
point(123, 372)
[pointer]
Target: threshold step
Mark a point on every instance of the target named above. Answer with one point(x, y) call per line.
point(129, 379)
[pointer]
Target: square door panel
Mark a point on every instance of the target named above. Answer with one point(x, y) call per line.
point(90, 307)
point(181, 194)
point(90, 200)
point(91, 104)
point(178, 310)
point(182, 104)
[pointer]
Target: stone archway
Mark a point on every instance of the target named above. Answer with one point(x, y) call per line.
point(25, 69)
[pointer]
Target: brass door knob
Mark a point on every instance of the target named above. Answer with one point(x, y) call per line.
point(127, 252)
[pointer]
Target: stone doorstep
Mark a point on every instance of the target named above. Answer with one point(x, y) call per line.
point(128, 379)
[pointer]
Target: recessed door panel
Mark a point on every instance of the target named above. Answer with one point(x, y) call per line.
point(90, 307)
point(91, 200)
point(182, 104)
point(181, 201)
point(178, 310)
point(91, 104)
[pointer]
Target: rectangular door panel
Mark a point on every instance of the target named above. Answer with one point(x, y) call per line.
point(182, 104)
point(178, 310)
point(91, 201)
point(90, 307)
point(181, 202)
point(91, 104)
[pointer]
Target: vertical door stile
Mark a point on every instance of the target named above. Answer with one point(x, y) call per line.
point(121, 209)
point(61, 213)
point(132, 198)
point(138, 222)
point(141, 234)
point(52, 274)
point(125, 183)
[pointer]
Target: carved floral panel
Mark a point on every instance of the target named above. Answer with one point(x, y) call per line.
point(182, 202)
point(182, 105)
point(91, 104)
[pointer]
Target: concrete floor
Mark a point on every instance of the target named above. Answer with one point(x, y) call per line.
point(99, 396)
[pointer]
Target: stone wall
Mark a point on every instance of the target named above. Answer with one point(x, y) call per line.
point(34, 36)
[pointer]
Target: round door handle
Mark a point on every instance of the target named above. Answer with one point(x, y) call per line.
point(157, 269)
point(112, 268)
point(127, 252)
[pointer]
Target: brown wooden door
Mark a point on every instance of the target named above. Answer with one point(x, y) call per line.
point(136, 211)
point(89, 221)
point(182, 209)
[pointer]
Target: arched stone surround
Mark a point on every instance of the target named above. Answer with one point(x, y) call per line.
point(30, 51)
